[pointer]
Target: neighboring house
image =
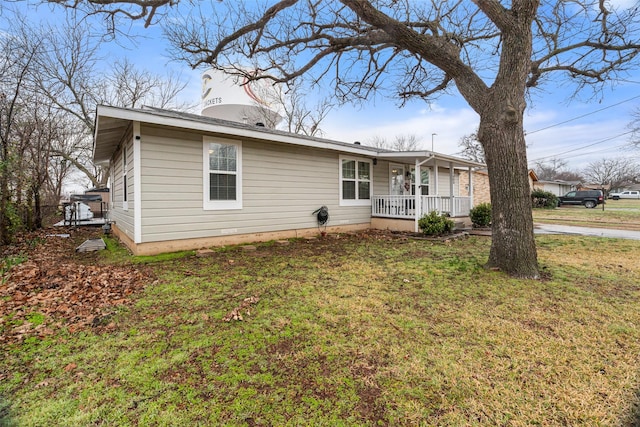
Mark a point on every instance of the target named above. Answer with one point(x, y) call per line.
point(182, 181)
point(533, 178)
point(605, 187)
point(557, 187)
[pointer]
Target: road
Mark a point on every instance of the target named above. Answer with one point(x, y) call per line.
point(586, 231)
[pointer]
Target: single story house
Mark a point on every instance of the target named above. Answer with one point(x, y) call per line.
point(590, 186)
point(183, 181)
point(556, 187)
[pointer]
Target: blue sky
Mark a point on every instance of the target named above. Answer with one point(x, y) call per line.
point(577, 131)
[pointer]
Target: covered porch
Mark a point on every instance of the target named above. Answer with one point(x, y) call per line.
point(421, 182)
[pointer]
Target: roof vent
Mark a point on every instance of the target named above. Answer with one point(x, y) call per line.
point(357, 143)
point(260, 124)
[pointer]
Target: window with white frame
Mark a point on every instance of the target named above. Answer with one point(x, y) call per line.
point(222, 174)
point(424, 181)
point(355, 181)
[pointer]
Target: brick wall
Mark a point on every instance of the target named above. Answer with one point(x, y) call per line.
point(480, 186)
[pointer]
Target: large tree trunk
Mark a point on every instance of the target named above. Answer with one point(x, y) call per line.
point(501, 132)
point(513, 248)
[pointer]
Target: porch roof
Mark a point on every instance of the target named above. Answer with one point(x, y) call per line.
point(429, 158)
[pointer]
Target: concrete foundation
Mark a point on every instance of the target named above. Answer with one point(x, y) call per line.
point(154, 248)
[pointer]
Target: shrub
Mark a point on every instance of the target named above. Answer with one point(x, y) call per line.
point(481, 215)
point(433, 223)
point(544, 199)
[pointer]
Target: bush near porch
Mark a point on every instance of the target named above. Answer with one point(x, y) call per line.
point(435, 223)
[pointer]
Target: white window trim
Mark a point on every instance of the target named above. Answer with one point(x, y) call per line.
point(210, 205)
point(112, 187)
point(422, 169)
point(356, 202)
point(125, 195)
point(137, 179)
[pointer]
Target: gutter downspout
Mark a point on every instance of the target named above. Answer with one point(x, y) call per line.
point(470, 187)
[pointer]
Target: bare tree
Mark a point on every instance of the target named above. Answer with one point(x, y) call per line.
point(490, 52)
point(634, 126)
point(408, 142)
point(289, 109)
point(126, 86)
point(50, 84)
point(550, 169)
point(71, 78)
point(149, 11)
point(471, 148)
point(18, 55)
point(569, 175)
point(617, 173)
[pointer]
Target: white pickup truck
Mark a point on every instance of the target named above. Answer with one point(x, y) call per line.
point(625, 195)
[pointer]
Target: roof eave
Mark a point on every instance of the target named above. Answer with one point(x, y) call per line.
point(152, 117)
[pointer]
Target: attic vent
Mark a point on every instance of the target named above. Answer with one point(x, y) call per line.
point(260, 124)
point(357, 143)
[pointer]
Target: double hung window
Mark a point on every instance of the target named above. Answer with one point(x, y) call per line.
point(222, 174)
point(355, 181)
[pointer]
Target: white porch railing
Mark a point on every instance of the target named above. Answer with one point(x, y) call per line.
point(403, 207)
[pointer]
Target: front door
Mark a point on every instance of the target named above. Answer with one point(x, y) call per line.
point(396, 180)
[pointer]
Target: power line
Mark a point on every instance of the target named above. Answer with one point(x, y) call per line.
point(582, 147)
point(582, 116)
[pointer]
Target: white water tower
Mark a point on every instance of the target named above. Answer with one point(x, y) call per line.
point(237, 99)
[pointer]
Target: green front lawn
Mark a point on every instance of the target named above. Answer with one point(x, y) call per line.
point(357, 330)
point(624, 214)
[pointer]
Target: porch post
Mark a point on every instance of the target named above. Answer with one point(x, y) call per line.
point(437, 185)
point(451, 198)
point(417, 199)
point(470, 187)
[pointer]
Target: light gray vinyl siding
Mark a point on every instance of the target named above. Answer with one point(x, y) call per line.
point(282, 186)
point(443, 182)
point(381, 178)
point(124, 219)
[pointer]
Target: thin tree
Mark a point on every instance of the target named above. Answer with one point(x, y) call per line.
point(18, 55)
point(491, 53)
point(73, 78)
point(288, 108)
point(471, 148)
point(409, 142)
point(550, 169)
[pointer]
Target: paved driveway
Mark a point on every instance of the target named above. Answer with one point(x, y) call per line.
point(586, 231)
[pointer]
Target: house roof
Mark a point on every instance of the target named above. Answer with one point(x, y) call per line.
point(558, 182)
point(113, 122)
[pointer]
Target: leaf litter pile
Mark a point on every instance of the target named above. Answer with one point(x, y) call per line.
point(47, 286)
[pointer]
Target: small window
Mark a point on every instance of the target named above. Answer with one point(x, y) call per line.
point(222, 174)
point(355, 182)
